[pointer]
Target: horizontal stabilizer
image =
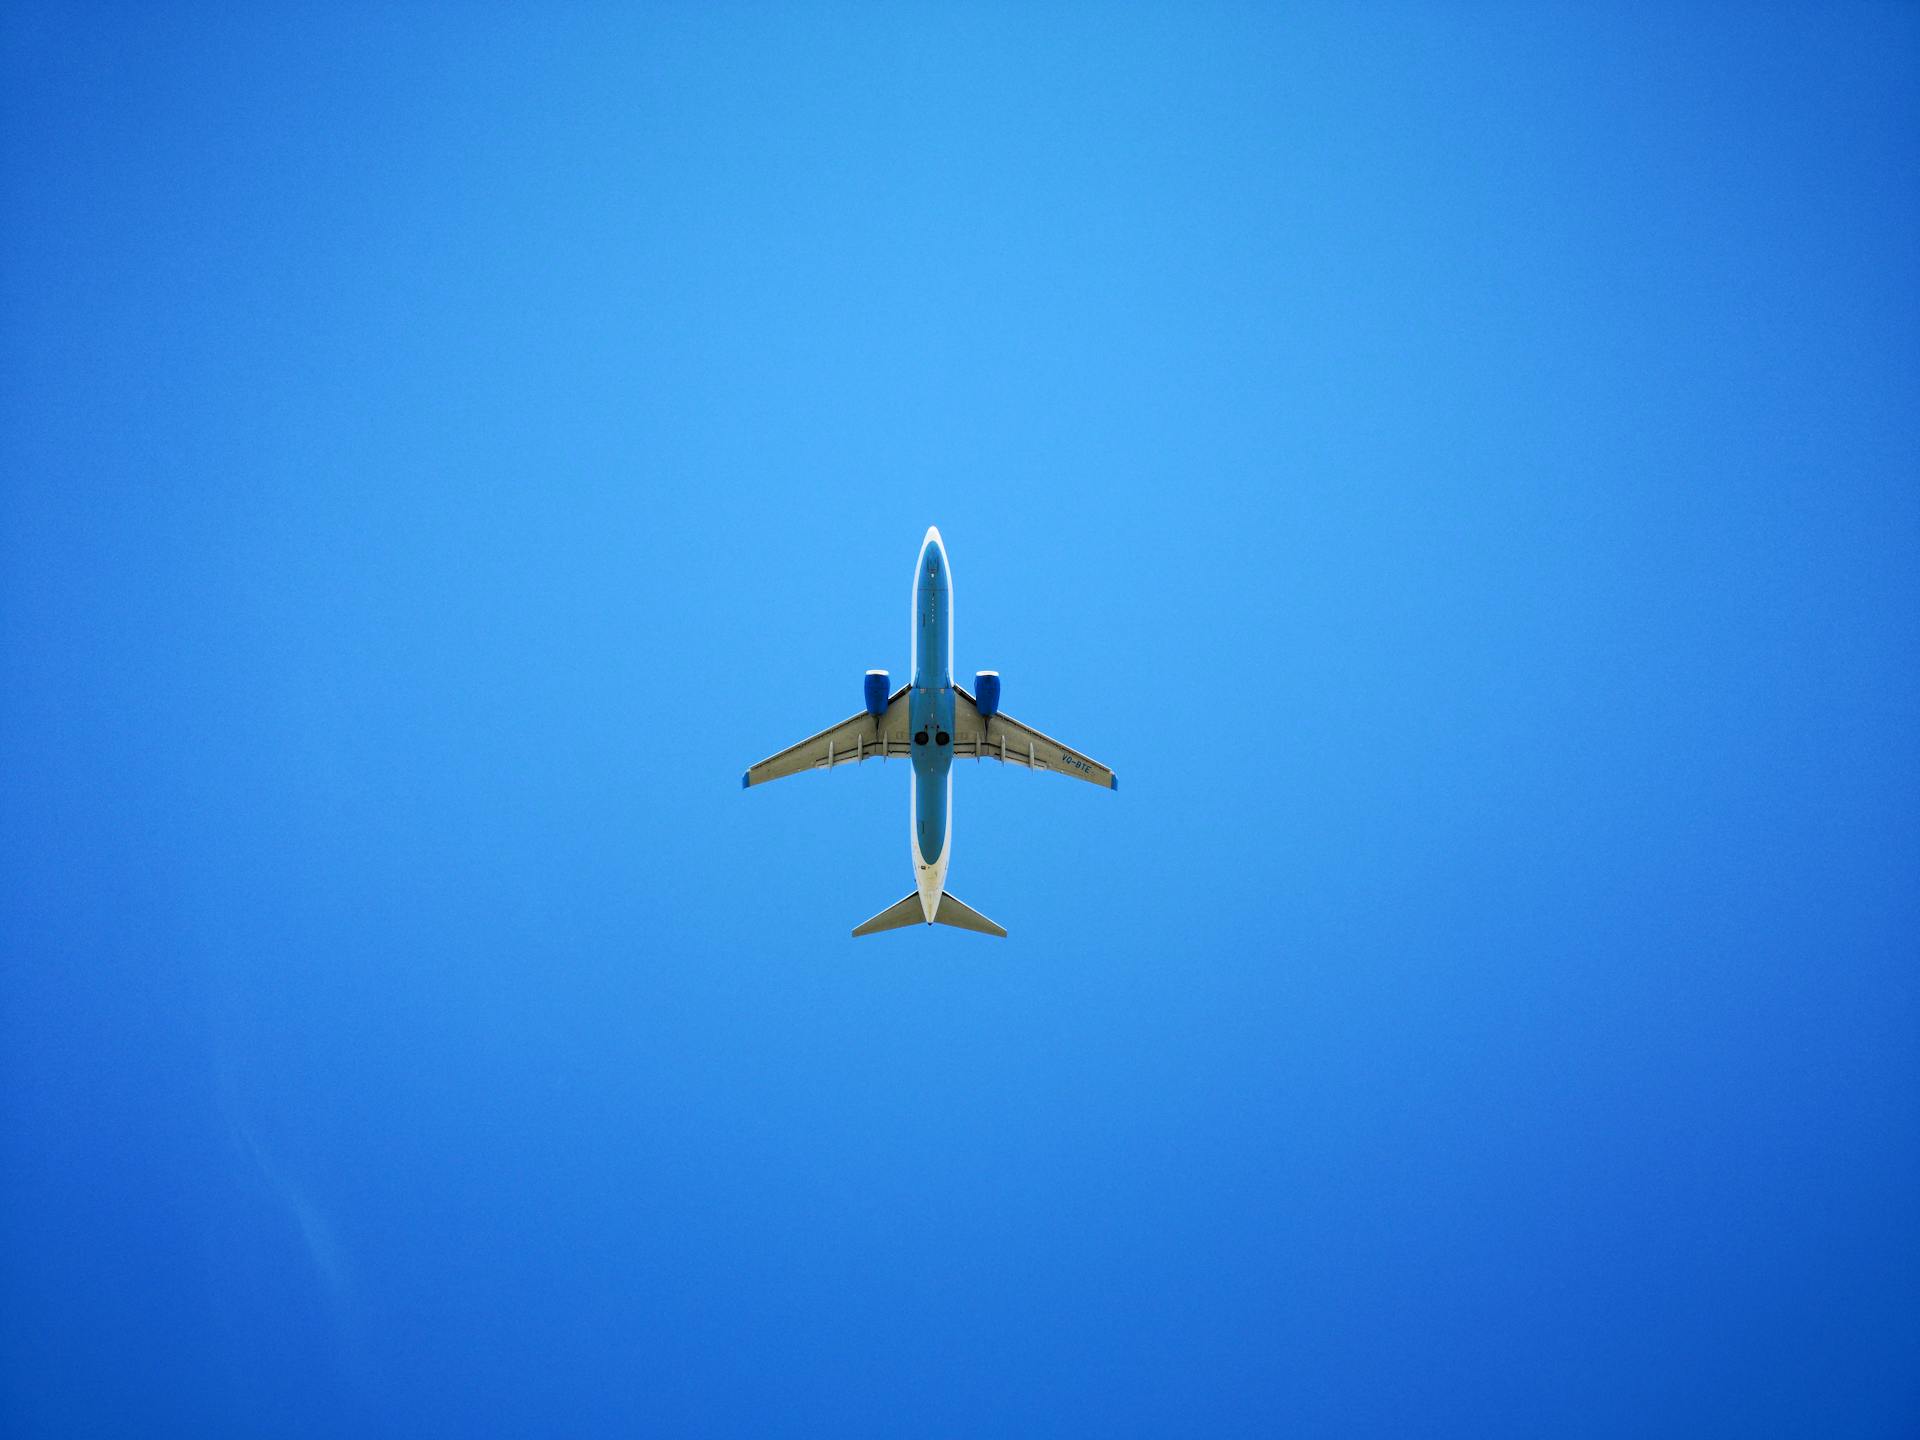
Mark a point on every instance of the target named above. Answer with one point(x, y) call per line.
point(964, 917)
point(907, 912)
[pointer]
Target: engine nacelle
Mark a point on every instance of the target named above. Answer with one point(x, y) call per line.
point(877, 690)
point(986, 692)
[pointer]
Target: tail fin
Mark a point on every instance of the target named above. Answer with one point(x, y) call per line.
point(909, 912)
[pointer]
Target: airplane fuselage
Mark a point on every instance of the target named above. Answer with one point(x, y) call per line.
point(930, 712)
point(930, 719)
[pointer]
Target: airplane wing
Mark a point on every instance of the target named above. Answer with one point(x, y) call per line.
point(1004, 738)
point(861, 737)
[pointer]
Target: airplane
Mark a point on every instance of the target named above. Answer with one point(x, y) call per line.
point(932, 721)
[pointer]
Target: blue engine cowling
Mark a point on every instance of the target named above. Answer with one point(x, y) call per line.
point(986, 692)
point(877, 689)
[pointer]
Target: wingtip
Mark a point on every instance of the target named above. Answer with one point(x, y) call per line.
point(744, 781)
point(1113, 782)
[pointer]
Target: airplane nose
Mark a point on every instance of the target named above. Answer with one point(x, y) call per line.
point(933, 559)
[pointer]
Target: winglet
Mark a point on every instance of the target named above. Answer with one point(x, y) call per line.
point(1113, 782)
point(744, 779)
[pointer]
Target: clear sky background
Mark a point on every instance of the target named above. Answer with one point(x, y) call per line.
point(1459, 465)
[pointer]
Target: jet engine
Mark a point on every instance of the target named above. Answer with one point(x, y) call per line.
point(877, 689)
point(986, 692)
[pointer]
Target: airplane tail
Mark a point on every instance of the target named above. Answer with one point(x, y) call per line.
point(907, 912)
point(965, 917)
point(951, 912)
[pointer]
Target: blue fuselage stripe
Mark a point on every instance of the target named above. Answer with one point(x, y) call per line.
point(930, 702)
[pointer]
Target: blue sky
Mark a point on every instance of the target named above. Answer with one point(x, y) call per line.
point(1458, 468)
